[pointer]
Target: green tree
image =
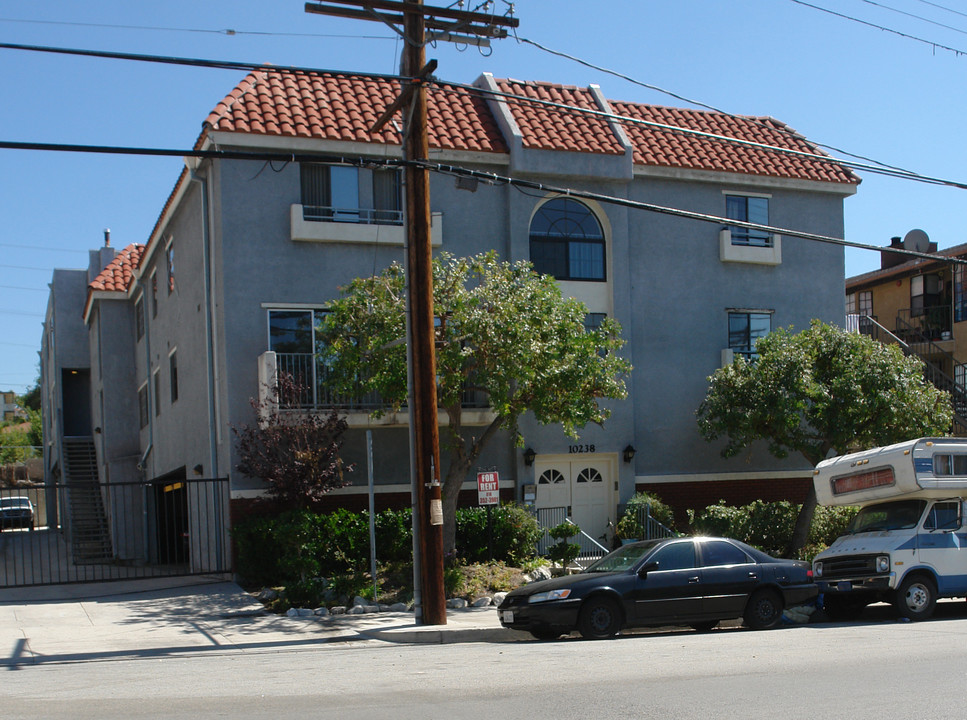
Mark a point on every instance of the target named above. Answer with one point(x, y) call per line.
point(821, 390)
point(505, 332)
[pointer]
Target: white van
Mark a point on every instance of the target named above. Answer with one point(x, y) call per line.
point(908, 543)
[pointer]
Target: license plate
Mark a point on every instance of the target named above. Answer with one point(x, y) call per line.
point(844, 586)
point(508, 616)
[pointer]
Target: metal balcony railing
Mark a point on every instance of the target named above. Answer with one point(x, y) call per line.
point(931, 323)
point(312, 391)
point(365, 216)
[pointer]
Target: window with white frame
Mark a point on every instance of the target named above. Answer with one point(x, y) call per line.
point(752, 209)
point(345, 193)
point(566, 241)
point(860, 303)
point(745, 329)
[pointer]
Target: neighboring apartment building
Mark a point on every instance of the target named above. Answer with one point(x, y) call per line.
point(9, 409)
point(247, 253)
point(921, 304)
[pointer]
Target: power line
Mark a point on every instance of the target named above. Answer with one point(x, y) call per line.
point(943, 7)
point(490, 178)
point(698, 103)
point(878, 167)
point(16, 287)
point(931, 43)
point(45, 249)
point(914, 16)
point(191, 62)
point(226, 31)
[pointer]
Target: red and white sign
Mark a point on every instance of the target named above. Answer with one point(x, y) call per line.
point(488, 492)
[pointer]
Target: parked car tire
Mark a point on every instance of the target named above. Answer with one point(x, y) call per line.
point(764, 610)
point(916, 597)
point(600, 618)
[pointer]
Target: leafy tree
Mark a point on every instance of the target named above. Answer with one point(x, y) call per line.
point(505, 332)
point(297, 454)
point(821, 390)
point(30, 400)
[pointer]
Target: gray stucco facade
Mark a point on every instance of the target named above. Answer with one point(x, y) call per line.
point(229, 248)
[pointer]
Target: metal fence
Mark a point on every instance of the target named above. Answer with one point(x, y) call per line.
point(93, 532)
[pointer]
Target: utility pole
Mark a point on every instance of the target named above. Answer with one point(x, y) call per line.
point(459, 26)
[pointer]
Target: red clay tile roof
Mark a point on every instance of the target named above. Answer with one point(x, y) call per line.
point(667, 148)
point(551, 128)
point(119, 273)
point(335, 106)
point(331, 106)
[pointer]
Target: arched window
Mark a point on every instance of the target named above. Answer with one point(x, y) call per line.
point(566, 241)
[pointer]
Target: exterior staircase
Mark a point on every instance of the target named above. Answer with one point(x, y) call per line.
point(916, 344)
point(90, 535)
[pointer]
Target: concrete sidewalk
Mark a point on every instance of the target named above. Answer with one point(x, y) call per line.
point(108, 621)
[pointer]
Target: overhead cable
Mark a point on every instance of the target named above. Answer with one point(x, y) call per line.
point(487, 177)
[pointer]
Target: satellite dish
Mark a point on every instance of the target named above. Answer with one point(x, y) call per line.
point(917, 241)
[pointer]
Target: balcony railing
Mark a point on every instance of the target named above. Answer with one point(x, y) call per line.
point(365, 216)
point(312, 391)
point(932, 323)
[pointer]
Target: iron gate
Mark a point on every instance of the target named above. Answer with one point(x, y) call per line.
point(92, 532)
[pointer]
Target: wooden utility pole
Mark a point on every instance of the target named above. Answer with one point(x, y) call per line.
point(415, 18)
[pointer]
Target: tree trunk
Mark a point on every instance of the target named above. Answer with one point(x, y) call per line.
point(451, 493)
point(801, 532)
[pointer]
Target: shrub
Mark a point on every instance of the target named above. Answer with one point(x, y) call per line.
point(769, 525)
point(515, 534)
point(562, 551)
point(629, 525)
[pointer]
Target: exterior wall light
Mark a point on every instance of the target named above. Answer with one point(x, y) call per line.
point(628, 454)
point(529, 456)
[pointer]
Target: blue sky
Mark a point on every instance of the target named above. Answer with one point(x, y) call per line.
point(889, 90)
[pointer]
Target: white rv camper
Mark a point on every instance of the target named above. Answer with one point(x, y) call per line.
point(908, 543)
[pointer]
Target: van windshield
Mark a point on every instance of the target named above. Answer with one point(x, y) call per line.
point(896, 515)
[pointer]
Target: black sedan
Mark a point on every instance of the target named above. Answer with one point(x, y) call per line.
point(694, 581)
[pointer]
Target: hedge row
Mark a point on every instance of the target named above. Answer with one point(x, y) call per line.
point(769, 525)
point(300, 544)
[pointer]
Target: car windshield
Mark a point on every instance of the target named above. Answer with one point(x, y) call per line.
point(896, 515)
point(16, 502)
point(624, 558)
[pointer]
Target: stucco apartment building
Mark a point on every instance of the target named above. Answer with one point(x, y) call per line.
point(920, 303)
point(247, 253)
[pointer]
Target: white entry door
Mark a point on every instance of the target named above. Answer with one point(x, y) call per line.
point(584, 487)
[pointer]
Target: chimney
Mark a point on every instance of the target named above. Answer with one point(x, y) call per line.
point(888, 259)
point(107, 237)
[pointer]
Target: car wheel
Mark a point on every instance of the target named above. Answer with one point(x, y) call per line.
point(704, 627)
point(842, 608)
point(545, 633)
point(764, 610)
point(916, 598)
point(600, 618)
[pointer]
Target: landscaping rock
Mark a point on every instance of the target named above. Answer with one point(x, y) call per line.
point(456, 603)
point(338, 610)
point(398, 607)
point(483, 602)
point(541, 573)
point(499, 597)
point(321, 611)
point(299, 612)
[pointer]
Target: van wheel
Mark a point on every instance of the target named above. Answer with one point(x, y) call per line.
point(916, 598)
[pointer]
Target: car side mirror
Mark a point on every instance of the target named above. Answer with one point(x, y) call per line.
point(647, 568)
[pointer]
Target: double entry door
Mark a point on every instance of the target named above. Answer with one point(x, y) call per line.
point(584, 486)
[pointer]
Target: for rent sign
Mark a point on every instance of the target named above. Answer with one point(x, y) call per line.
point(487, 488)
